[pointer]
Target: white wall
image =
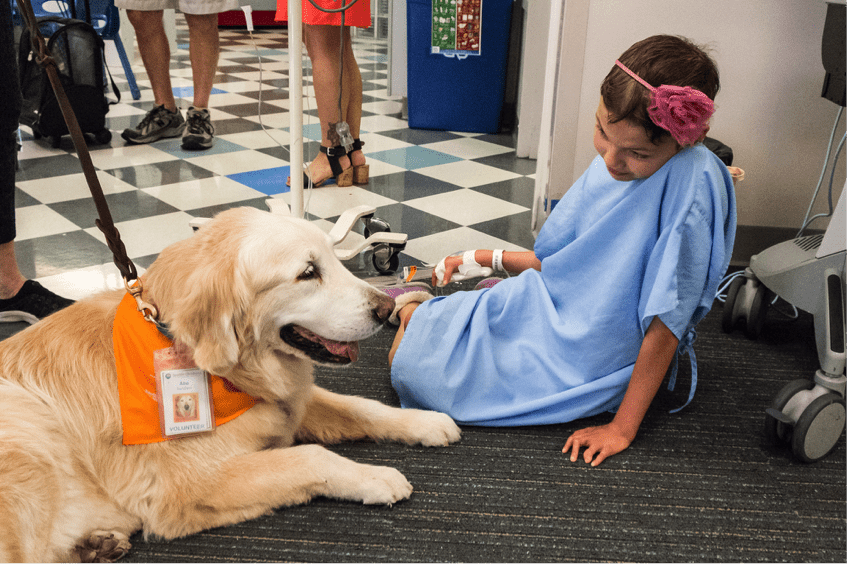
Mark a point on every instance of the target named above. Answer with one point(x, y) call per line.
point(533, 67)
point(769, 109)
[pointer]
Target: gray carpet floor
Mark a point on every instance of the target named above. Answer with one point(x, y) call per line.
point(698, 486)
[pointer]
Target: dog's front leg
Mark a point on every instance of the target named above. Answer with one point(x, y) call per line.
point(331, 418)
point(251, 485)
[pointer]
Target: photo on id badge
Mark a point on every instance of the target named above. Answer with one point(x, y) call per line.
point(185, 408)
point(187, 392)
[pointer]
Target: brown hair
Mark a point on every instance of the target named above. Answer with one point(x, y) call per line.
point(660, 59)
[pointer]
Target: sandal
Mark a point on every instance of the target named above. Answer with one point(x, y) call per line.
point(361, 173)
point(343, 177)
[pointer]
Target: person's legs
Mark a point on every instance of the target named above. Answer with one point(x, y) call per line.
point(155, 51)
point(203, 51)
point(323, 43)
point(11, 278)
point(165, 119)
point(353, 105)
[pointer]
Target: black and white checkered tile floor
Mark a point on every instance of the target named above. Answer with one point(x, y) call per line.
point(448, 191)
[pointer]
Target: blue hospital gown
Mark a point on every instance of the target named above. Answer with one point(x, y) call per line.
point(560, 344)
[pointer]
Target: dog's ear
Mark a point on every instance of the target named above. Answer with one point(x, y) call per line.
point(200, 293)
point(207, 318)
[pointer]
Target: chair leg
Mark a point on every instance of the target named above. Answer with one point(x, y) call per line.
point(130, 76)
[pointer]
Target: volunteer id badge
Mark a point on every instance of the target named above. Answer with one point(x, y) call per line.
point(185, 401)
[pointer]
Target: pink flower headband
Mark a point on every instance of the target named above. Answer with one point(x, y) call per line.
point(682, 110)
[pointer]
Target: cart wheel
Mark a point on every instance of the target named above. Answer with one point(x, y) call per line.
point(385, 260)
point(758, 312)
point(376, 225)
point(103, 136)
point(819, 428)
point(777, 432)
point(728, 322)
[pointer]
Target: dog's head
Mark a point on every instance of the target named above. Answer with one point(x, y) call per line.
point(249, 283)
point(185, 404)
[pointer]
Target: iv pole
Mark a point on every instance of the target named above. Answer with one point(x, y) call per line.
point(386, 245)
point(295, 103)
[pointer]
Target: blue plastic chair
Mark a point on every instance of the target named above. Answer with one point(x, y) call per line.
point(105, 19)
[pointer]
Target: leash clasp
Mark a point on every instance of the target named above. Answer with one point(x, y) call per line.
point(149, 311)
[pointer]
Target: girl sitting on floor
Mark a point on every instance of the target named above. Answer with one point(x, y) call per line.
point(624, 268)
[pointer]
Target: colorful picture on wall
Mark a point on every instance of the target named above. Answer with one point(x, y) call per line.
point(456, 27)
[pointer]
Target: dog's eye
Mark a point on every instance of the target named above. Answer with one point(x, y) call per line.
point(311, 273)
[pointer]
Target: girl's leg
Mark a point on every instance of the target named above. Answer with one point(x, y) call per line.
point(404, 314)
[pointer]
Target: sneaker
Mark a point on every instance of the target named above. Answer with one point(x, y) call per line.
point(200, 133)
point(32, 302)
point(397, 291)
point(159, 122)
point(405, 294)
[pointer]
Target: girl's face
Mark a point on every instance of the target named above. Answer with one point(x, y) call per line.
point(626, 148)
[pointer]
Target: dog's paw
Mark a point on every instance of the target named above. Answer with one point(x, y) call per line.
point(103, 546)
point(435, 429)
point(381, 485)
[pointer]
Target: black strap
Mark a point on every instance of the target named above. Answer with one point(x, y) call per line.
point(357, 146)
point(332, 155)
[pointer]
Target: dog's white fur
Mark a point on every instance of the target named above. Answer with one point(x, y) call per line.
point(70, 489)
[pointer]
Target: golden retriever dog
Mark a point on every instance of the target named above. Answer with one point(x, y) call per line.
point(258, 298)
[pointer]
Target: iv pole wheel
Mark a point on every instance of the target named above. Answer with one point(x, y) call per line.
point(385, 260)
point(819, 428)
point(375, 225)
point(776, 432)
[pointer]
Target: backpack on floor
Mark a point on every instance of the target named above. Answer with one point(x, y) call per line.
point(78, 51)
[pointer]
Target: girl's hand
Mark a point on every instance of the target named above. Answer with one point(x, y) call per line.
point(459, 268)
point(599, 442)
point(450, 265)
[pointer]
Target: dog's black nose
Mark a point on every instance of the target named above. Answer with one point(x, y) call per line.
point(381, 306)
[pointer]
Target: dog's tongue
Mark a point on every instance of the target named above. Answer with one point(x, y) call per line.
point(349, 349)
point(338, 348)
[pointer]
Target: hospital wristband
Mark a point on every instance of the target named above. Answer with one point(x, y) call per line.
point(497, 260)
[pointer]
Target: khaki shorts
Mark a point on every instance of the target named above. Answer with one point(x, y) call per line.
point(198, 7)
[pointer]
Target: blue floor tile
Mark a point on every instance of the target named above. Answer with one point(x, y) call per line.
point(412, 158)
point(269, 181)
